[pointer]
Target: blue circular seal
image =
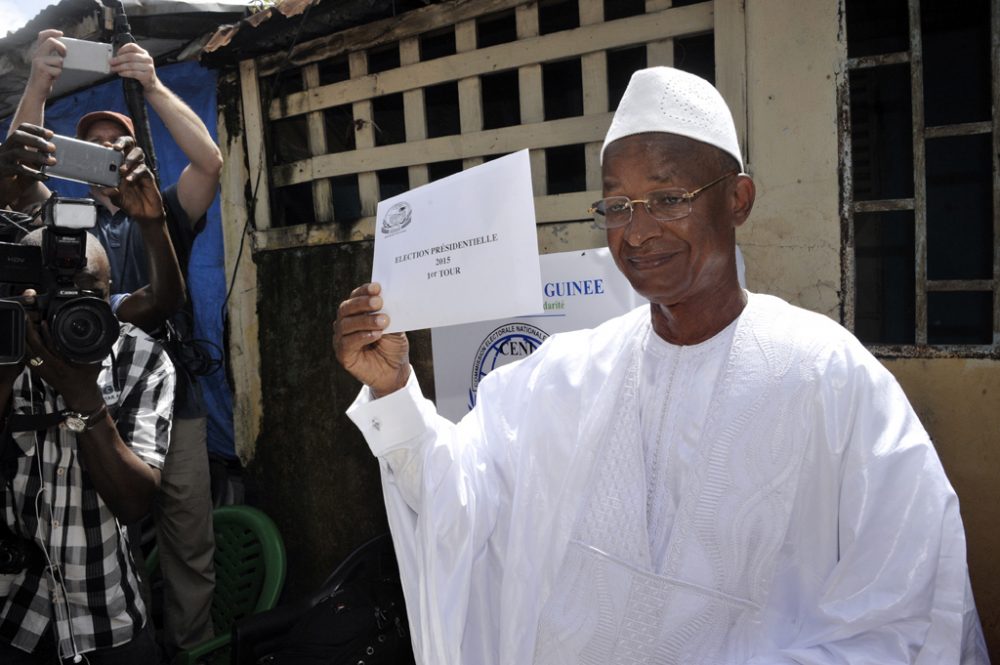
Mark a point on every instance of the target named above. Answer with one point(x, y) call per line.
point(508, 343)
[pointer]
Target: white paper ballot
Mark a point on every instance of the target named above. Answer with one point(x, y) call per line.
point(460, 249)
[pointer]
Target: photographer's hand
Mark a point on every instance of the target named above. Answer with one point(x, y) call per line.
point(134, 62)
point(382, 362)
point(22, 155)
point(46, 66)
point(136, 192)
point(121, 478)
point(138, 196)
point(76, 383)
point(46, 63)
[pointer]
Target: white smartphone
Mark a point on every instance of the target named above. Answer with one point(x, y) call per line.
point(81, 161)
point(82, 55)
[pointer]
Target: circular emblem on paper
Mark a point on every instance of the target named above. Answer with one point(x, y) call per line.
point(506, 344)
point(397, 218)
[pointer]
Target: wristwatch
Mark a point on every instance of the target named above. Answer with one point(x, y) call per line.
point(79, 422)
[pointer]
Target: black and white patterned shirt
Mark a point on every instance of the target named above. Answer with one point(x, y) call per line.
point(92, 593)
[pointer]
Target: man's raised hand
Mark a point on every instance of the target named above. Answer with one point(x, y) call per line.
point(22, 156)
point(136, 192)
point(380, 361)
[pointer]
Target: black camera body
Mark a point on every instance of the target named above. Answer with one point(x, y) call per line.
point(81, 324)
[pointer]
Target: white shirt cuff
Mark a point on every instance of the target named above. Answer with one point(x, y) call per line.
point(389, 421)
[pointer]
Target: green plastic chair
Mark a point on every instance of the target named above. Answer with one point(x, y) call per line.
point(249, 575)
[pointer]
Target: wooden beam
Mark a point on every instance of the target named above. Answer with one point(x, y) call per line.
point(566, 131)
point(661, 52)
point(253, 131)
point(307, 235)
point(414, 110)
point(569, 209)
point(530, 87)
point(470, 93)
point(731, 64)
point(594, 67)
point(322, 192)
point(242, 345)
point(364, 138)
point(527, 52)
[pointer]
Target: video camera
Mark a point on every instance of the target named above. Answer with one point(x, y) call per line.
point(81, 324)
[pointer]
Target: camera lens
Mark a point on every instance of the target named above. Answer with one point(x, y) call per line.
point(84, 329)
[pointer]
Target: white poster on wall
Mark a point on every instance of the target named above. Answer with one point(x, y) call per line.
point(580, 290)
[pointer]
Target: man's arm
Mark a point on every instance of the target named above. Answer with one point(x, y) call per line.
point(22, 155)
point(46, 66)
point(138, 196)
point(198, 183)
point(125, 482)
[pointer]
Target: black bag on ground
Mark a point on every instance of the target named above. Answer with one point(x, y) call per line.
point(364, 622)
point(358, 617)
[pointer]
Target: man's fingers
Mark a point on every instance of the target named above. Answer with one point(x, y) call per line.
point(27, 157)
point(114, 195)
point(358, 305)
point(36, 344)
point(132, 49)
point(125, 145)
point(26, 130)
point(372, 289)
point(140, 173)
point(47, 34)
point(52, 46)
point(362, 323)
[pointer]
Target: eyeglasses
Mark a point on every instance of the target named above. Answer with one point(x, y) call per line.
point(663, 205)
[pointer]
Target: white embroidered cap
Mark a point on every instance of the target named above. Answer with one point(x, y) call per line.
point(664, 99)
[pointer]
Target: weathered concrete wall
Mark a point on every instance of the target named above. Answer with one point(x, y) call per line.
point(312, 471)
point(792, 240)
point(958, 401)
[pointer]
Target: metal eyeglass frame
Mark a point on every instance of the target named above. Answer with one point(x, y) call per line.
point(600, 217)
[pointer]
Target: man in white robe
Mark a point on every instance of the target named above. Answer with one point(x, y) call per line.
point(717, 478)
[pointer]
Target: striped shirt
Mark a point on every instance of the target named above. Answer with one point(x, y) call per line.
point(91, 594)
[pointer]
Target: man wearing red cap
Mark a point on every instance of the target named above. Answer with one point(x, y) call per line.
point(183, 506)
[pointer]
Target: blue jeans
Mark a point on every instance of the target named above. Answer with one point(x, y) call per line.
point(142, 649)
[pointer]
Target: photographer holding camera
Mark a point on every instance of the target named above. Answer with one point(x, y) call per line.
point(183, 508)
point(85, 434)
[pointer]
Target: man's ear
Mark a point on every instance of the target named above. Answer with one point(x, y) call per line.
point(743, 194)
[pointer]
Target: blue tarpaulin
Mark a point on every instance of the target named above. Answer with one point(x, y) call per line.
point(206, 276)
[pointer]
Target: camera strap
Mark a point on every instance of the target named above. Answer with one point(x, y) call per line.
point(33, 422)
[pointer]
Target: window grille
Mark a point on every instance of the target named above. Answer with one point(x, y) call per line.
point(920, 177)
point(369, 112)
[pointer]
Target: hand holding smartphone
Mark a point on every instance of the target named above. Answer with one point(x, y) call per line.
point(81, 161)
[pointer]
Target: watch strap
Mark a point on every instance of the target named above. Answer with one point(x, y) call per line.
point(88, 420)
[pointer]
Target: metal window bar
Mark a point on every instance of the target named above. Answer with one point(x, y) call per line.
point(919, 201)
point(995, 61)
point(919, 171)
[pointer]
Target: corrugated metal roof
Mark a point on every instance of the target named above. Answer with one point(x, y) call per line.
point(275, 28)
point(168, 29)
